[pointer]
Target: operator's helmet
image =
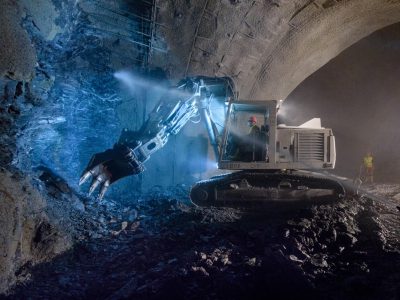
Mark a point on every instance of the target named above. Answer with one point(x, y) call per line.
point(252, 119)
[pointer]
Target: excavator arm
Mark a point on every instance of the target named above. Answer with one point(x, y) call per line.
point(187, 101)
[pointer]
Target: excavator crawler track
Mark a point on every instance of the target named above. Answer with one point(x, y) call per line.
point(250, 188)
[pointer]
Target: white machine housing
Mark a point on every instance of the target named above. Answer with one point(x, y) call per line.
point(308, 146)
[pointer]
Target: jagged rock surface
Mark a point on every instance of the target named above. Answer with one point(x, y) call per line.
point(17, 55)
point(27, 234)
point(348, 249)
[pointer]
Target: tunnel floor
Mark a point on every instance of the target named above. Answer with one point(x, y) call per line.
point(165, 248)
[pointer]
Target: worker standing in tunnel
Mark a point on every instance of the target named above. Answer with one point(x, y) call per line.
point(368, 167)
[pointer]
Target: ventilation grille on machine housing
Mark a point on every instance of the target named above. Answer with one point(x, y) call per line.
point(310, 146)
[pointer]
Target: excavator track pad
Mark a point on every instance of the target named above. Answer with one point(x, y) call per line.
point(250, 188)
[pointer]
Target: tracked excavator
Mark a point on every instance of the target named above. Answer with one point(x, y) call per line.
point(279, 164)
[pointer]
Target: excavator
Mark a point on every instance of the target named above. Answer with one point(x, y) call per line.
point(278, 164)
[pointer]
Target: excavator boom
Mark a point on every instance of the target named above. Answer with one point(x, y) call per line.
point(188, 100)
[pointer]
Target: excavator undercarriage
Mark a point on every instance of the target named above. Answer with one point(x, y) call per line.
point(253, 188)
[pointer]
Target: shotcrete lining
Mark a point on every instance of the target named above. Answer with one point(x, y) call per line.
point(268, 49)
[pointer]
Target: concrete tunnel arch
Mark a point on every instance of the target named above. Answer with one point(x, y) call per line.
point(267, 47)
point(314, 41)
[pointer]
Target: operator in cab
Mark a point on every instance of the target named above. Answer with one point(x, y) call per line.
point(253, 140)
point(254, 129)
point(244, 147)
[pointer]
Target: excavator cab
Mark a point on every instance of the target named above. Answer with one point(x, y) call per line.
point(245, 143)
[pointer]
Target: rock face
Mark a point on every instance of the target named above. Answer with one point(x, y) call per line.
point(17, 55)
point(27, 235)
point(29, 231)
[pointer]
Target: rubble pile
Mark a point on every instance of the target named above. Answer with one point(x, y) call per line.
point(163, 247)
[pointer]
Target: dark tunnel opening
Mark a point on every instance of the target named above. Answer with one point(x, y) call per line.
point(356, 94)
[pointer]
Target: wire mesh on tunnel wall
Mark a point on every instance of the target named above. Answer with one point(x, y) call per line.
point(79, 116)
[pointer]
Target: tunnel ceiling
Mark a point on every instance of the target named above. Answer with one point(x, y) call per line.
point(268, 47)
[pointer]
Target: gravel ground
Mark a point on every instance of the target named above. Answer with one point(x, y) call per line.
point(164, 248)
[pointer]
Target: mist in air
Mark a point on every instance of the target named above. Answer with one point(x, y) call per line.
point(135, 82)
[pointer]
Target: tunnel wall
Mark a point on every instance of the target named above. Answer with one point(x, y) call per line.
point(62, 56)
